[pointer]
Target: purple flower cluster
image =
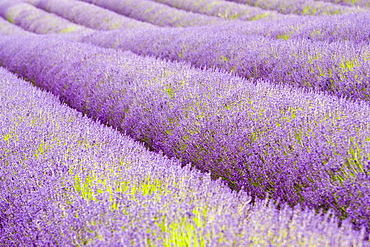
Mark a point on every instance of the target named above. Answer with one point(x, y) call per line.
point(9, 28)
point(302, 7)
point(359, 3)
point(81, 13)
point(347, 27)
point(272, 113)
point(301, 147)
point(223, 9)
point(69, 181)
point(156, 13)
point(35, 20)
point(338, 68)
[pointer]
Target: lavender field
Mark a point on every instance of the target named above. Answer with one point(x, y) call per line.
point(184, 123)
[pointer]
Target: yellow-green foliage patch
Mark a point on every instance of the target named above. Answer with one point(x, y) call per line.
point(67, 30)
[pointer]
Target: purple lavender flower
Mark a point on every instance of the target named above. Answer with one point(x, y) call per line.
point(306, 7)
point(81, 13)
point(35, 20)
point(300, 147)
point(360, 3)
point(156, 13)
point(67, 181)
point(224, 9)
point(338, 68)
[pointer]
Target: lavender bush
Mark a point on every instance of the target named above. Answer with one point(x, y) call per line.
point(360, 3)
point(9, 28)
point(224, 9)
point(310, 149)
point(339, 68)
point(156, 13)
point(35, 20)
point(81, 13)
point(69, 181)
point(349, 27)
point(331, 67)
point(301, 7)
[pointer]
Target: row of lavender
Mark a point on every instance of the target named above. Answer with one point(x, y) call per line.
point(236, 9)
point(339, 67)
point(222, 9)
point(360, 3)
point(308, 7)
point(34, 20)
point(8, 28)
point(159, 14)
point(349, 27)
point(81, 13)
point(143, 10)
point(69, 181)
point(302, 148)
point(353, 27)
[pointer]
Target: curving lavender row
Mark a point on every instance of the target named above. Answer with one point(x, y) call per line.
point(224, 9)
point(338, 68)
point(301, 7)
point(360, 3)
point(69, 181)
point(9, 28)
point(35, 20)
point(354, 27)
point(302, 148)
point(82, 13)
point(349, 27)
point(156, 13)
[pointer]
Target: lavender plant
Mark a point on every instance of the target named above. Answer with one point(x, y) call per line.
point(301, 7)
point(349, 27)
point(360, 3)
point(35, 20)
point(300, 147)
point(352, 27)
point(69, 181)
point(9, 28)
point(338, 68)
point(81, 13)
point(224, 9)
point(156, 13)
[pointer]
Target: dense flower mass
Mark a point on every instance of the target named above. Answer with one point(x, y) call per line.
point(66, 180)
point(224, 9)
point(81, 13)
point(358, 3)
point(156, 13)
point(308, 7)
point(9, 28)
point(35, 20)
point(339, 67)
point(187, 128)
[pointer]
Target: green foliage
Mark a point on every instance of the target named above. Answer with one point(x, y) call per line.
point(7, 137)
point(185, 231)
point(259, 17)
point(283, 36)
point(309, 10)
point(67, 30)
